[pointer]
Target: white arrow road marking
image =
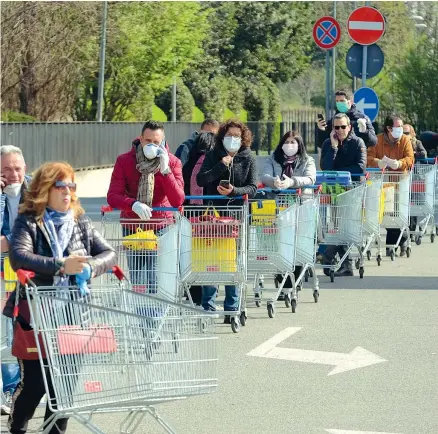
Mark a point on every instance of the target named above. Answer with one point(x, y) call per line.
point(362, 105)
point(358, 358)
point(365, 25)
point(342, 431)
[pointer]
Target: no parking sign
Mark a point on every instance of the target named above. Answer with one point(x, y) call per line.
point(326, 32)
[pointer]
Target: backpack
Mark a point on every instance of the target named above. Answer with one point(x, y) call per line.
point(195, 189)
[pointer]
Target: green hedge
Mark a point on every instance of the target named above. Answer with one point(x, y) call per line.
point(197, 115)
point(11, 116)
point(158, 114)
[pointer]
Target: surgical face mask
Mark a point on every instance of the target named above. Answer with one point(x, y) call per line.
point(342, 106)
point(12, 190)
point(397, 132)
point(151, 151)
point(290, 149)
point(232, 144)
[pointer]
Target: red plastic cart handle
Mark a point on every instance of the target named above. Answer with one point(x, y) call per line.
point(118, 272)
point(25, 276)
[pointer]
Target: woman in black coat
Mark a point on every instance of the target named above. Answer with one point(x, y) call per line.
point(54, 239)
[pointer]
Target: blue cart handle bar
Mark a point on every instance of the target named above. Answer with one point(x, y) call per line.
point(218, 197)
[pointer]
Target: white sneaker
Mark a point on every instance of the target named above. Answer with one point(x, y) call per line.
point(5, 410)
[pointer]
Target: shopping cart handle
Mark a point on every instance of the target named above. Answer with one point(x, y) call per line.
point(427, 160)
point(373, 169)
point(218, 197)
point(25, 276)
point(117, 271)
point(276, 190)
point(107, 208)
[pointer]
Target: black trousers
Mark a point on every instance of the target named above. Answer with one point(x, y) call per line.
point(288, 283)
point(392, 237)
point(27, 397)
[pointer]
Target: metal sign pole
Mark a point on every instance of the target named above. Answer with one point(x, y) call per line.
point(364, 64)
point(334, 69)
point(327, 84)
point(102, 63)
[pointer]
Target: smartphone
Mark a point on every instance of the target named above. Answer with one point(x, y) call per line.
point(224, 183)
point(320, 117)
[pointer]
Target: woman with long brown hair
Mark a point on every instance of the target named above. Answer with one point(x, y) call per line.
point(53, 238)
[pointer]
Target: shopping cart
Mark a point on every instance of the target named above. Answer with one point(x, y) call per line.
point(397, 194)
point(272, 239)
point(373, 213)
point(423, 197)
point(341, 221)
point(149, 250)
point(213, 248)
point(116, 349)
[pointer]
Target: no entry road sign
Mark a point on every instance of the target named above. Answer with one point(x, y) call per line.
point(366, 25)
point(326, 32)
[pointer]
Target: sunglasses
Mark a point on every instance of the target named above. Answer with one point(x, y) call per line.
point(407, 133)
point(338, 127)
point(61, 185)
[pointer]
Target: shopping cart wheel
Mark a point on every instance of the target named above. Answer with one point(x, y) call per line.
point(235, 324)
point(243, 318)
point(392, 255)
point(306, 276)
point(379, 260)
point(316, 295)
point(287, 300)
point(271, 310)
point(357, 264)
point(408, 252)
point(332, 276)
point(432, 238)
point(369, 255)
point(361, 271)
point(293, 304)
point(418, 240)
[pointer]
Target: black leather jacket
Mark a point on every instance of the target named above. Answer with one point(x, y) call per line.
point(30, 250)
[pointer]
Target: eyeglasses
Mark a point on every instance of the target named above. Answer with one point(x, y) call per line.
point(337, 127)
point(61, 185)
point(406, 133)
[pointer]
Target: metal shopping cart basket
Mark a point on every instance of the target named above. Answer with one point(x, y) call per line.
point(148, 250)
point(213, 248)
point(397, 194)
point(341, 221)
point(272, 237)
point(423, 196)
point(116, 350)
point(374, 206)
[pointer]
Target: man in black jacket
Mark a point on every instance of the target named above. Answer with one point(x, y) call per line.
point(361, 123)
point(343, 151)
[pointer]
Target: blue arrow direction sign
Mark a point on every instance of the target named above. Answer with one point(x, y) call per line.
point(367, 102)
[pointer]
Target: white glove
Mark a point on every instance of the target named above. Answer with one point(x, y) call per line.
point(278, 183)
point(164, 162)
point(382, 165)
point(288, 182)
point(393, 164)
point(142, 210)
point(362, 125)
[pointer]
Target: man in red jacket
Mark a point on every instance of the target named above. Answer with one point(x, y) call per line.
point(146, 177)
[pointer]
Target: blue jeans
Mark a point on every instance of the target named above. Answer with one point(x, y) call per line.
point(142, 266)
point(209, 293)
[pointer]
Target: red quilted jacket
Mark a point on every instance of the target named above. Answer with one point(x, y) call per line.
point(122, 192)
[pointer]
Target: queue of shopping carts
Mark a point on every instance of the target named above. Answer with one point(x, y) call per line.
point(138, 339)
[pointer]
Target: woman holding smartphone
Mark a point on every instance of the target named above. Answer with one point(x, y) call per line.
point(228, 170)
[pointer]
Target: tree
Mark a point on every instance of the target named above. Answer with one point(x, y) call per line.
point(148, 44)
point(43, 54)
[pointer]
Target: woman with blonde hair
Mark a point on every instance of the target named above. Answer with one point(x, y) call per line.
point(53, 238)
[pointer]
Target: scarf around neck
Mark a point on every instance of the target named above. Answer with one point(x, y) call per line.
point(148, 169)
point(59, 227)
point(289, 165)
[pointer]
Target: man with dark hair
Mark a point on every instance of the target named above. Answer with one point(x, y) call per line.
point(147, 176)
point(361, 124)
point(183, 151)
point(342, 151)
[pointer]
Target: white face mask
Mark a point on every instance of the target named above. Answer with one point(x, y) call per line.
point(12, 190)
point(232, 144)
point(397, 132)
point(290, 149)
point(150, 151)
